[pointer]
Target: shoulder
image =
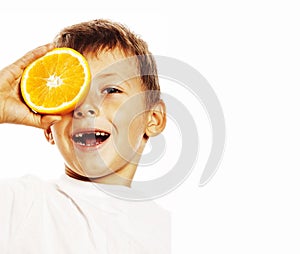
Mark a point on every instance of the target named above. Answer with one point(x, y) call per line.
point(24, 183)
point(23, 190)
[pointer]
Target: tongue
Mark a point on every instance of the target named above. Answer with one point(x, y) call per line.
point(91, 141)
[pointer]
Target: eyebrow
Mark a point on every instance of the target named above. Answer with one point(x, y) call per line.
point(105, 75)
point(118, 79)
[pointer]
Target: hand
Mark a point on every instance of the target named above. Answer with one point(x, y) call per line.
point(12, 108)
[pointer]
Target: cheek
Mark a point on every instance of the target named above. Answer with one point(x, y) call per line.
point(131, 117)
point(130, 123)
point(124, 113)
point(136, 130)
point(60, 135)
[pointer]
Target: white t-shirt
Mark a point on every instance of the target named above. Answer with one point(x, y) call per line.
point(71, 216)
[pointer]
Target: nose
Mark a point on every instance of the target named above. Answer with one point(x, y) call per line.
point(85, 110)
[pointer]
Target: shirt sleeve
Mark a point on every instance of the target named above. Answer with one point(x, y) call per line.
point(17, 197)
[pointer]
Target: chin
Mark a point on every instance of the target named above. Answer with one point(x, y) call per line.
point(97, 173)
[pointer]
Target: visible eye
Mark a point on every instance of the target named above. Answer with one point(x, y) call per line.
point(110, 90)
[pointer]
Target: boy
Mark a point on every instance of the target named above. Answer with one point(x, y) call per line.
point(101, 142)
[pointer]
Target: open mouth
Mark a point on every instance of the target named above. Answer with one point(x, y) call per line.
point(90, 138)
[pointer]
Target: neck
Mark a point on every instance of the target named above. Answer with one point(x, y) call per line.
point(117, 178)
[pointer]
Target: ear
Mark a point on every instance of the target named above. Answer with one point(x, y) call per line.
point(156, 119)
point(49, 136)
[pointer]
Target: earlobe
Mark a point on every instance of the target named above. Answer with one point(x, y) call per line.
point(49, 136)
point(156, 119)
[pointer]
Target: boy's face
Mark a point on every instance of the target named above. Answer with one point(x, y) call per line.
point(105, 134)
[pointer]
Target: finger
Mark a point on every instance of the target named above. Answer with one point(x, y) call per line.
point(48, 120)
point(15, 70)
point(40, 121)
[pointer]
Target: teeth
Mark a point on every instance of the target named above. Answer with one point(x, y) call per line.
point(90, 139)
point(98, 133)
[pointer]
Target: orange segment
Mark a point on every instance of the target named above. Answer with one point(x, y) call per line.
point(56, 82)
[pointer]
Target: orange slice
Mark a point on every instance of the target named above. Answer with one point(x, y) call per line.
point(56, 82)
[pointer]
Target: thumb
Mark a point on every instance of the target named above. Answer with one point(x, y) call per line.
point(48, 120)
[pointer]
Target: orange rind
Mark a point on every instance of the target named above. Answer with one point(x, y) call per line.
point(56, 82)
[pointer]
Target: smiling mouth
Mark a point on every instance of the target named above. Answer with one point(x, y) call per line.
point(90, 138)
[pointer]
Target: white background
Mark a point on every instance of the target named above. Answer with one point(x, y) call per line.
point(249, 52)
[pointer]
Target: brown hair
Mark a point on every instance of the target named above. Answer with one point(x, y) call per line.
point(100, 34)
